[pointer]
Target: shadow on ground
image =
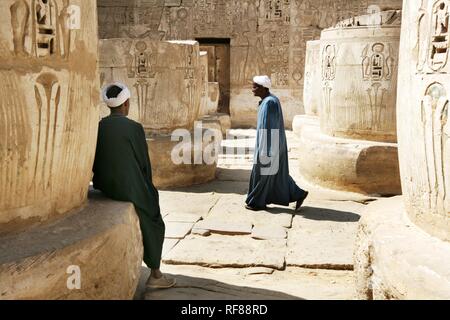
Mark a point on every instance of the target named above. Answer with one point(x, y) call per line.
point(190, 288)
point(318, 214)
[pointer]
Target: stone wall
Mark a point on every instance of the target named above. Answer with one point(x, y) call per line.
point(48, 114)
point(423, 102)
point(267, 37)
point(165, 79)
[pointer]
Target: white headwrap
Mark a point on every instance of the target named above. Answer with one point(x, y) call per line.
point(121, 98)
point(263, 81)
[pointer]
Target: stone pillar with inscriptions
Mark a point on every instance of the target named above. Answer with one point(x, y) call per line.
point(355, 147)
point(165, 78)
point(55, 243)
point(311, 92)
point(404, 243)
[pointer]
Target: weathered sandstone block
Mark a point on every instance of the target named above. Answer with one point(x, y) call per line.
point(100, 243)
point(48, 114)
point(165, 79)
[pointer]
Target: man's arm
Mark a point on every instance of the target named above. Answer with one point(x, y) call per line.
point(271, 126)
point(140, 148)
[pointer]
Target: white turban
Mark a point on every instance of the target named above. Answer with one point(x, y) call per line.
point(263, 81)
point(121, 98)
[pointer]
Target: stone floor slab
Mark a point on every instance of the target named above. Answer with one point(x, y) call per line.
point(225, 227)
point(182, 217)
point(199, 283)
point(232, 208)
point(168, 245)
point(178, 230)
point(176, 202)
point(323, 235)
point(269, 233)
point(225, 251)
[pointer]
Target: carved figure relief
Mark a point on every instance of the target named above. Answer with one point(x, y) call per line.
point(41, 29)
point(20, 13)
point(190, 76)
point(329, 63)
point(203, 72)
point(377, 98)
point(48, 98)
point(141, 67)
point(377, 67)
point(378, 64)
point(45, 28)
point(422, 37)
point(145, 91)
point(327, 90)
point(433, 37)
point(277, 10)
point(439, 35)
point(436, 134)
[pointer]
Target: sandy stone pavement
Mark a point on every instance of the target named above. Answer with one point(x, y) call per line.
point(219, 250)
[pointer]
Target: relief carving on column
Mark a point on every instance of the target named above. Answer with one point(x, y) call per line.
point(433, 37)
point(141, 67)
point(48, 98)
point(41, 29)
point(378, 67)
point(436, 134)
point(328, 76)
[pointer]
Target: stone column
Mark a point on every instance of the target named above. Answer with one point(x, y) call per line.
point(311, 92)
point(311, 89)
point(209, 115)
point(404, 242)
point(166, 82)
point(48, 127)
point(355, 148)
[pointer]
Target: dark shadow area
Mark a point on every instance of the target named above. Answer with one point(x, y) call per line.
point(323, 214)
point(319, 214)
point(190, 288)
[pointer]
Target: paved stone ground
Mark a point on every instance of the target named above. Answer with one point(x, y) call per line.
point(219, 250)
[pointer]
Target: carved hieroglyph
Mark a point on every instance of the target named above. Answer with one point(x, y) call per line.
point(48, 113)
point(328, 73)
point(165, 79)
point(311, 91)
point(424, 129)
point(266, 36)
point(359, 83)
point(204, 83)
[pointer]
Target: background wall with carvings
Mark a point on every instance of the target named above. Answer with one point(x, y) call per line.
point(266, 37)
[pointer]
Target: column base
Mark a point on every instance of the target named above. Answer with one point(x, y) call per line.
point(167, 174)
point(395, 259)
point(102, 240)
point(365, 167)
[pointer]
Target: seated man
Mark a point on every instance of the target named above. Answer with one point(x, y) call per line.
point(122, 171)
